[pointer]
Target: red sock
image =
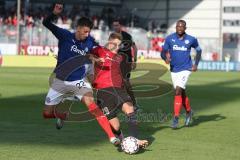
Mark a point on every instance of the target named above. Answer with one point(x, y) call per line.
point(177, 105)
point(48, 115)
point(101, 118)
point(186, 104)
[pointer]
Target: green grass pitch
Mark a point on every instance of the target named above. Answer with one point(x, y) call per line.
point(214, 135)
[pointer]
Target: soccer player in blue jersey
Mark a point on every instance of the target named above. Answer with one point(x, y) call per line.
point(176, 51)
point(71, 74)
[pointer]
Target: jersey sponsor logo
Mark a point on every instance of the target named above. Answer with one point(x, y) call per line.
point(78, 51)
point(177, 48)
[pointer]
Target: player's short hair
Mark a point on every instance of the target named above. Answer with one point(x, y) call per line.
point(115, 35)
point(85, 22)
point(182, 21)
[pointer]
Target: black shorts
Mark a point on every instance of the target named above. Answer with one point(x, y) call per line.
point(111, 99)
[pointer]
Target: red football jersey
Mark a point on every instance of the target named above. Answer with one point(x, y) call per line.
point(108, 73)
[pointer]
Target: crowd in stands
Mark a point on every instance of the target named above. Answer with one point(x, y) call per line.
point(32, 31)
point(32, 16)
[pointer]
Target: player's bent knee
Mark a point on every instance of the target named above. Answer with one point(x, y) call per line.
point(87, 99)
point(128, 108)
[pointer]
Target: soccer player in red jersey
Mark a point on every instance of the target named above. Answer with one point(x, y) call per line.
point(111, 94)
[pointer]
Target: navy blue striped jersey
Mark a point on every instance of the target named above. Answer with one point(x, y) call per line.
point(180, 50)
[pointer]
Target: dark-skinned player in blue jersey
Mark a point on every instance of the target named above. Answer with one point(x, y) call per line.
point(176, 51)
point(72, 48)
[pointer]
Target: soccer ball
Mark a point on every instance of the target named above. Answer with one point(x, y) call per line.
point(130, 145)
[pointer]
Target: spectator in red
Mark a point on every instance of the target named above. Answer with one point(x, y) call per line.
point(214, 56)
point(14, 20)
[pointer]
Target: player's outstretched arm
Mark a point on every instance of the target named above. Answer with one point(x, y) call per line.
point(47, 22)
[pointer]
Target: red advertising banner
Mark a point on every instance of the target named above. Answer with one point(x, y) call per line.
point(38, 50)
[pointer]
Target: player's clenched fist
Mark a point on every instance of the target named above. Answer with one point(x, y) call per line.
point(57, 9)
